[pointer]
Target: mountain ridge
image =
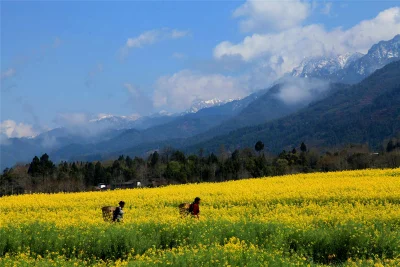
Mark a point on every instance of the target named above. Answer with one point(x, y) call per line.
point(205, 124)
point(350, 68)
point(360, 108)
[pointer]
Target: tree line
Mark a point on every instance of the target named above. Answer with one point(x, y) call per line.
point(170, 166)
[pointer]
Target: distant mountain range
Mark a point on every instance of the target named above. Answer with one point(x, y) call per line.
point(211, 123)
point(367, 112)
point(350, 68)
point(324, 67)
point(202, 104)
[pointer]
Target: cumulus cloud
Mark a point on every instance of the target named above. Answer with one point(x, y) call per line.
point(145, 38)
point(181, 89)
point(11, 129)
point(286, 49)
point(151, 37)
point(262, 16)
point(7, 73)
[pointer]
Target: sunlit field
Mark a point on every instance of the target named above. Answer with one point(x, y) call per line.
point(344, 218)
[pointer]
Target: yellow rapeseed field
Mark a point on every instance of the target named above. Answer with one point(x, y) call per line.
point(307, 204)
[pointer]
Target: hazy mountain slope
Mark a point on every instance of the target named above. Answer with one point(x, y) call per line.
point(263, 106)
point(181, 127)
point(365, 112)
point(268, 107)
point(200, 126)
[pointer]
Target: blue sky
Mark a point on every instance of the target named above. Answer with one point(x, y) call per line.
point(67, 62)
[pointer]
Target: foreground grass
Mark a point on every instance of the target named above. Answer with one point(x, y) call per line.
point(344, 218)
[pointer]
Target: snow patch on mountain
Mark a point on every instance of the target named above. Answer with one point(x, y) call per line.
point(201, 104)
point(110, 117)
point(109, 121)
point(317, 67)
point(350, 67)
point(378, 56)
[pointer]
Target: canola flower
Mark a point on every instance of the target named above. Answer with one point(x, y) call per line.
point(298, 219)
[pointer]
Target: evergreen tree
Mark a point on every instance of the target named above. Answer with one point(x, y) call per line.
point(390, 146)
point(90, 174)
point(178, 156)
point(154, 158)
point(129, 162)
point(99, 173)
point(303, 147)
point(34, 167)
point(259, 146)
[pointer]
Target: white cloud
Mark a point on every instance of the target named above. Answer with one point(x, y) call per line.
point(138, 101)
point(151, 37)
point(77, 123)
point(8, 73)
point(326, 10)
point(296, 90)
point(131, 89)
point(285, 50)
point(179, 90)
point(264, 16)
point(145, 38)
point(72, 119)
point(175, 34)
point(13, 129)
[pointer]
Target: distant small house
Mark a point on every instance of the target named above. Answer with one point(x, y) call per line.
point(102, 186)
point(128, 184)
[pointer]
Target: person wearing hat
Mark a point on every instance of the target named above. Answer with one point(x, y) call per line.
point(194, 208)
point(118, 214)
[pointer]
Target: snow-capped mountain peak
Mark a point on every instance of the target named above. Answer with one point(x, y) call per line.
point(317, 67)
point(350, 67)
point(162, 113)
point(110, 117)
point(201, 104)
point(346, 59)
point(386, 49)
point(378, 56)
point(109, 121)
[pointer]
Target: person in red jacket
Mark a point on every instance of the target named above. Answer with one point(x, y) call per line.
point(194, 208)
